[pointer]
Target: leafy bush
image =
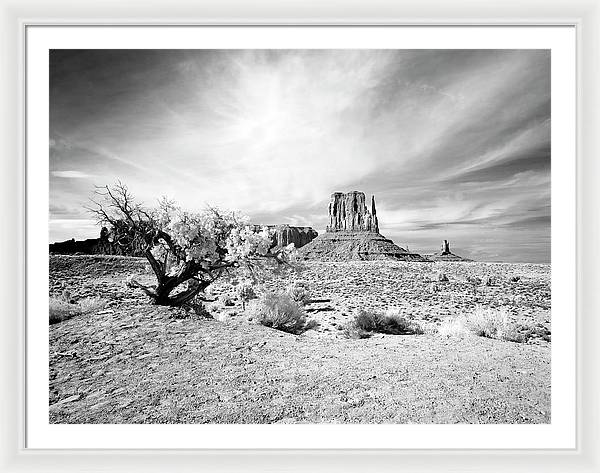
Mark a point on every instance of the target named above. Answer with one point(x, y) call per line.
point(299, 292)
point(390, 323)
point(279, 311)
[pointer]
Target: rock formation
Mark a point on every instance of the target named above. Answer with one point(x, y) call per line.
point(348, 246)
point(299, 236)
point(353, 234)
point(349, 213)
point(105, 245)
point(285, 234)
point(445, 254)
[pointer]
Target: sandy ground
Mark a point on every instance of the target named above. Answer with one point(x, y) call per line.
point(135, 363)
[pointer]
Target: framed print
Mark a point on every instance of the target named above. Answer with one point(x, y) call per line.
point(322, 242)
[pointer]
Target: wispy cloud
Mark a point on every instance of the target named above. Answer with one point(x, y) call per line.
point(71, 174)
point(444, 139)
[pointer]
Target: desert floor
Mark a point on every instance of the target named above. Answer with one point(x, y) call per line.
point(132, 362)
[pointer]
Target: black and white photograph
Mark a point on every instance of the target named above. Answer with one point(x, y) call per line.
point(299, 236)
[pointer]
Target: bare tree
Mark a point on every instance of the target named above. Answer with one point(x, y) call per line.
point(182, 248)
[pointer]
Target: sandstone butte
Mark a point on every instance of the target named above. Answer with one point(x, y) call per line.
point(353, 234)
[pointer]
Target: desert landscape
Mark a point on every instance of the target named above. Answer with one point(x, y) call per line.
point(262, 236)
point(128, 362)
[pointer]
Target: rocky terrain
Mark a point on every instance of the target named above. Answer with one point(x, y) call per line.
point(132, 362)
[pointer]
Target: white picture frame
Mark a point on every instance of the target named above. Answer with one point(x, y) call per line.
point(583, 15)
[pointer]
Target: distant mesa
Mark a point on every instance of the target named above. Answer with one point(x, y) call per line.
point(283, 235)
point(105, 245)
point(445, 254)
point(353, 234)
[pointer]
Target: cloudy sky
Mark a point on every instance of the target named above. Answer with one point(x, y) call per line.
point(453, 144)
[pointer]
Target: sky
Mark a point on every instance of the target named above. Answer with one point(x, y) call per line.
point(454, 144)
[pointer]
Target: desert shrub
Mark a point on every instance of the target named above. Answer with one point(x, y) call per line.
point(245, 292)
point(494, 323)
point(491, 323)
point(390, 323)
point(350, 330)
point(279, 311)
point(433, 288)
point(441, 277)
point(311, 324)
point(64, 308)
point(368, 321)
point(194, 307)
point(487, 322)
point(523, 332)
point(130, 281)
point(541, 332)
point(490, 281)
point(473, 280)
point(515, 278)
point(513, 333)
point(299, 292)
point(61, 310)
point(66, 296)
point(226, 300)
point(91, 304)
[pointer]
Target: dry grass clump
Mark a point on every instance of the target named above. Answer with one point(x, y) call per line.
point(91, 304)
point(454, 327)
point(61, 309)
point(391, 323)
point(491, 323)
point(281, 312)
